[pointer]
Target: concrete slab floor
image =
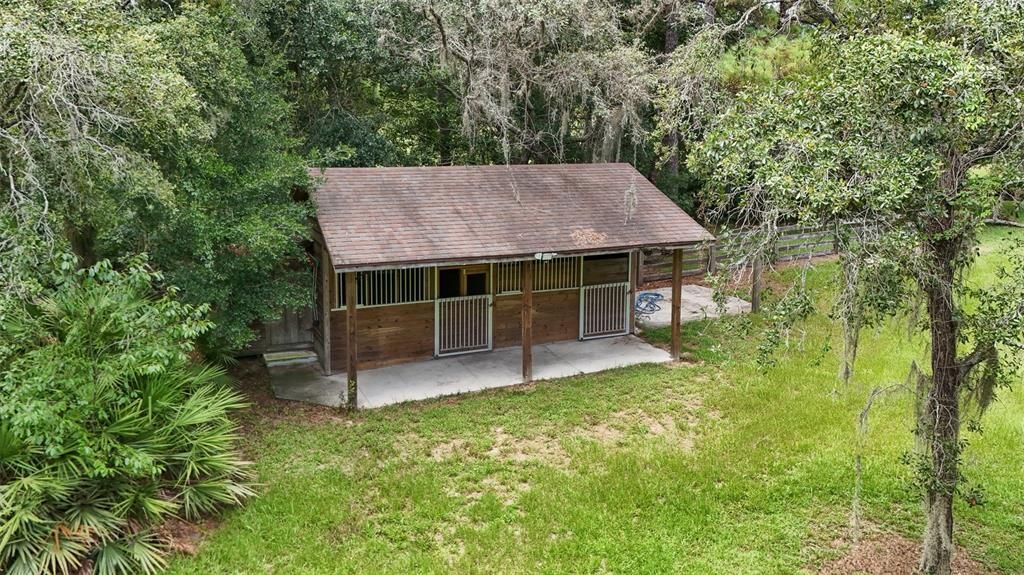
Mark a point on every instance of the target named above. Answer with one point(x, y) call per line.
point(696, 303)
point(307, 383)
point(464, 373)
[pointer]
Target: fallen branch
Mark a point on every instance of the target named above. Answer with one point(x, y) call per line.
point(1001, 222)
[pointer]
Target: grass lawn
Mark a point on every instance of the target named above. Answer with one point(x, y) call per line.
point(717, 467)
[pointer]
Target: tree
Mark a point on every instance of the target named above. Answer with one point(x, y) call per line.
point(79, 88)
point(355, 104)
point(879, 143)
point(230, 233)
point(546, 80)
point(129, 128)
point(107, 426)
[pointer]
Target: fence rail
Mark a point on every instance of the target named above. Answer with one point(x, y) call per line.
point(795, 242)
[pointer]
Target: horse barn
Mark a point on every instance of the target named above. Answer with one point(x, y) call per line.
point(443, 263)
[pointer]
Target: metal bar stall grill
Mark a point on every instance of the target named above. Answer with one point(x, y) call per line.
point(558, 273)
point(507, 277)
point(604, 310)
point(463, 325)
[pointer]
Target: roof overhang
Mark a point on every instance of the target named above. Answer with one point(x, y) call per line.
point(510, 258)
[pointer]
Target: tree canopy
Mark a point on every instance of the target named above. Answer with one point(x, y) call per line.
point(179, 133)
point(129, 130)
point(879, 142)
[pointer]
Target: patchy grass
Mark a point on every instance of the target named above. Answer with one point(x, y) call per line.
point(718, 466)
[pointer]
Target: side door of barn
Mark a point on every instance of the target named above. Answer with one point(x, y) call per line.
point(293, 332)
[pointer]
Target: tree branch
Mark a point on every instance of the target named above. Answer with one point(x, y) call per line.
point(1002, 222)
point(982, 353)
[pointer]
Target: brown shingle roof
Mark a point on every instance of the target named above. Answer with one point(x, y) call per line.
point(376, 216)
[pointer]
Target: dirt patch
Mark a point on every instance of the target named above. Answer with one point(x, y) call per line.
point(676, 426)
point(686, 359)
point(450, 547)
point(667, 426)
point(448, 449)
point(604, 433)
point(506, 489)
point(409, 447)
point(265, 411)
point(540, 448)
point(508, 492)
point(180, 536)
point(891, 554)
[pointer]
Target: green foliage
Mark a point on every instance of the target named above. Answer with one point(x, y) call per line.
point(355, 104)
point(868, 141)
point(764, 485)
point(107, 425)
point(167, 133)
point(878, 140)
point(764, 59)
point(232, 237)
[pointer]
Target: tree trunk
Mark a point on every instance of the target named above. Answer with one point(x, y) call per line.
point(940, 421)
point(612, 135)
point(444, 131)
point(83, 243)
point(671, 140)
point(710, 13)
point(784, 6)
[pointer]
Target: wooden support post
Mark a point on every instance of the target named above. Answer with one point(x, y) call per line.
point(755, 286)
point(634, 285)
point(351, 343)
point(526, 286)
point(326, 303)
point(639, 268)
point(677, 294)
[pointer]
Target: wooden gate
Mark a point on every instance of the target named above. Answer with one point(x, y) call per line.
point(293, 332)
point(462, 324)
point(604, 310)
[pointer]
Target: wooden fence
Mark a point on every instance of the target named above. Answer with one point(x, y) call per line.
point(795, 242)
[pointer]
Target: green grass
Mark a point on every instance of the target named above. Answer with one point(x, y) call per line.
point(721, 467)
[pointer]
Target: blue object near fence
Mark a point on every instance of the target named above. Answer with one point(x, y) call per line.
point(647, 303)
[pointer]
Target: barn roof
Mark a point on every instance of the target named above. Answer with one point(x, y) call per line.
point(372, 217)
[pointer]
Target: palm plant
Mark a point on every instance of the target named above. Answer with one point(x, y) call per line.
point(108, 425)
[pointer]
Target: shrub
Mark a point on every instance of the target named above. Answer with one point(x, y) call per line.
point(1010, 210)
point(107, 426)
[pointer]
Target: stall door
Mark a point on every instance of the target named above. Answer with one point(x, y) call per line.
point(462, 311)
point(605, 298)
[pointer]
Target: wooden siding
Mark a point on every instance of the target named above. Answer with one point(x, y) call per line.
point(386, 335)
point(556, 317)
point(399, 333)
point(605, 270)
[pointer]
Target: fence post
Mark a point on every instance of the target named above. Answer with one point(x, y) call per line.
point(755, 285)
